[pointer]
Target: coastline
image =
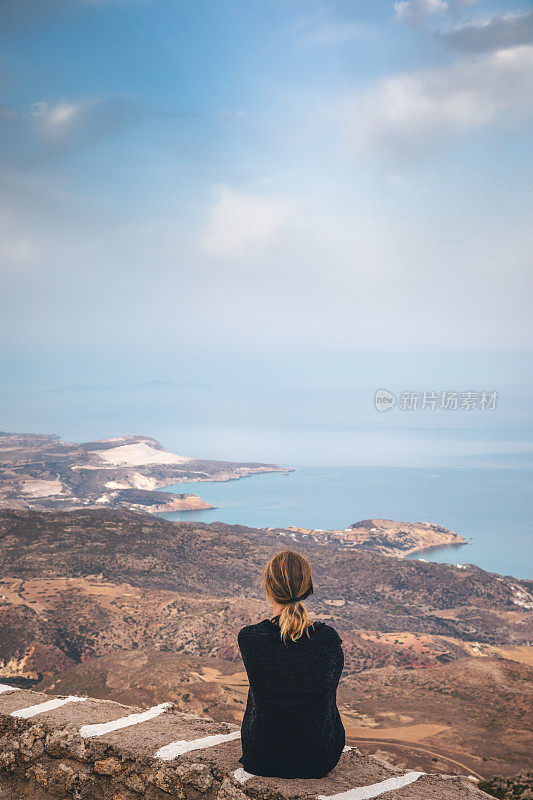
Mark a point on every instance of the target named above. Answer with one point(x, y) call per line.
point(435, 548)
point(44, 473)
point(279, 471)
point(493, 501)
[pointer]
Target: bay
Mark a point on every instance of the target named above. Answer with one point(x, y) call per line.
point(491, 508)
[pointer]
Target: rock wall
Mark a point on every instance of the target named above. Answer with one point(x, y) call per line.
point(78, 748)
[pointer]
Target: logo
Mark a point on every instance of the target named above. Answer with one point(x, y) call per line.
point(384, 400)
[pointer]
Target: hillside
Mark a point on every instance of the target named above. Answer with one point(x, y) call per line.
point(131, 607)
point(227, 560)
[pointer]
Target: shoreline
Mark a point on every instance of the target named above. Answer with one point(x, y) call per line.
point(435, 548)
point(327, 497)
point(45, 472)
point(280, 471)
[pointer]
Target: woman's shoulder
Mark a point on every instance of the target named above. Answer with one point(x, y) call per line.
point(251, 632)
point(326, 632)
point(320, 632)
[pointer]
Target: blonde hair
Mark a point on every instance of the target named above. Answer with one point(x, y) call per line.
point(288, 582)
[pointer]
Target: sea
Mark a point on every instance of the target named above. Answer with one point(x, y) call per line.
point(491, 508)
point(469, 470)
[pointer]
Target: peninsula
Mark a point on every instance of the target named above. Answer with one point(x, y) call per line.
point(43, 473)
point(382, 536)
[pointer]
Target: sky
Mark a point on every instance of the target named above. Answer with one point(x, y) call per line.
point(219, 190)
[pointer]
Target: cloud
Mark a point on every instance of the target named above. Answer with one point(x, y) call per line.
point(412, 113)
point(497, 32)
point(68, 124)
point(240, 223)
point(415, 12)
point(57, 121)
point(49, 130)
point(53, 129)
point(442, 19)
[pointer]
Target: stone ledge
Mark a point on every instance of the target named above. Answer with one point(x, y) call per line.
point(74, 748)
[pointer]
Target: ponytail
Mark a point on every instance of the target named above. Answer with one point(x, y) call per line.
point(288, 582)
point(294, 621)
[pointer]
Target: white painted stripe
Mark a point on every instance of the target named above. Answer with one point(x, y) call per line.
point(48, 705)
point(374, 789)
point(5, 688)
point(242, 776)
point(100, 728)
point(175, 749)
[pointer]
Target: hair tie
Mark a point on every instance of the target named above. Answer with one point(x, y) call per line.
point(300, 597)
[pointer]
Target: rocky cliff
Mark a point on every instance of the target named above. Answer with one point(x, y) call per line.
point(77, 747)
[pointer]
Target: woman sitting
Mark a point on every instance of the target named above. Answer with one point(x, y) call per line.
point(291, 727)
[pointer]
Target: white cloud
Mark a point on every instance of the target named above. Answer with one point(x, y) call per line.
point(413, 112)
point(67, 124)
point(415, 12)
point(51, 129)
point(56, 122)
point(240, 223)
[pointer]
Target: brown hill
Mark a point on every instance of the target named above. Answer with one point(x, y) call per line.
point(87, 595)
point(227, 560)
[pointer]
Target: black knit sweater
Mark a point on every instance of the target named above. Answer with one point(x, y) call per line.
point(291, 727)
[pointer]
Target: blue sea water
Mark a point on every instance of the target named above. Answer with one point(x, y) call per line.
point(470, 471)
point(491, 508)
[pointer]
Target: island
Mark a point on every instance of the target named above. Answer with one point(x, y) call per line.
point(381, 536)
point(42, 472)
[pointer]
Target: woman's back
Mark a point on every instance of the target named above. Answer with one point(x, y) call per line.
point(291, 727)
